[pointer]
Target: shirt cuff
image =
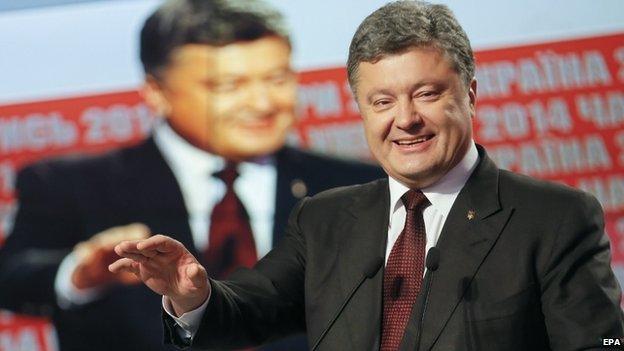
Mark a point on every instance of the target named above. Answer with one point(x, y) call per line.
point(67, 295)
point(189, 321)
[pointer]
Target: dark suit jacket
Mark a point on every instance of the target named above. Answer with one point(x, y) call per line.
point(66, 201)
point(530, 271)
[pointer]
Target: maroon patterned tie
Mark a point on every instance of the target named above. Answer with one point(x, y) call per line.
point(404, 271)
point(231, 243)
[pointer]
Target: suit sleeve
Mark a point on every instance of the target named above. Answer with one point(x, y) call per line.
point(261, 304)
point(580, 294)
point(43, 234)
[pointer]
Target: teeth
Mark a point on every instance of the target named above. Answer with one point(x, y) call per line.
point(416, 141)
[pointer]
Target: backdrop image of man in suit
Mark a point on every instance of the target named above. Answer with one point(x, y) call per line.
point(215, 171)
point(474, 257)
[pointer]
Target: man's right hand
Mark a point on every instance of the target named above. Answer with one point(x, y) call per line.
point(166, 267)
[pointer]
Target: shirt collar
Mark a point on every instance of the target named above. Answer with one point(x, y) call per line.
point(185, 158)
point(441, 194)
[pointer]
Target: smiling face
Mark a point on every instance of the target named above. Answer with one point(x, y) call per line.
point(417, 114)
point(236, 101)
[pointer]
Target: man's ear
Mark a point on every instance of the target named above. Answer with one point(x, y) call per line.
point(153, 94)
point(472, 95)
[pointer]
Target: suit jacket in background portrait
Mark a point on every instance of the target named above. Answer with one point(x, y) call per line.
point(63, 202)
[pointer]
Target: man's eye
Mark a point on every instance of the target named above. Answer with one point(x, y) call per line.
point(381, 103)
point(429, 94)
point(225, 87)
point(281, 78)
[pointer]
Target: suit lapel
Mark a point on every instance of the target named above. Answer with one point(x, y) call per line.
point(150, 193)
point(365, 233)
point(471, 229)
point(285, 201)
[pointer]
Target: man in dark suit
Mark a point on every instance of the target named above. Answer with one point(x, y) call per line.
point(221, 77)
point(513, 263)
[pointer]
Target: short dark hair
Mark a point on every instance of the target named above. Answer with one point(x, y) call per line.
point(401, 25)
point(211, 22)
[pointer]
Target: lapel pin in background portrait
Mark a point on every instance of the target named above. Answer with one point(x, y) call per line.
point(298, 188)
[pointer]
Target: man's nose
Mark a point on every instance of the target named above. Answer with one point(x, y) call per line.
point(407, 115)
point(259, 97)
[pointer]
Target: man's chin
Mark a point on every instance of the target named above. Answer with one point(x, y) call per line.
point(408, 168)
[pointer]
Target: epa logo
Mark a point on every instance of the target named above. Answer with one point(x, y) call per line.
point(612, 342)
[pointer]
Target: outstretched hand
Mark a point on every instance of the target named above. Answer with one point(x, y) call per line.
point(166, 267)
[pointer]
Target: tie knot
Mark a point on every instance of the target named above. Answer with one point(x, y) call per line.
point(228, 174)
point(415, 199)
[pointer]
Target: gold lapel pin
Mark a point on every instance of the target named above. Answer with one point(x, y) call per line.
point(470, 215)
point(298, 188)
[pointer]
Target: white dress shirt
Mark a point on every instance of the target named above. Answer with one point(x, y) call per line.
point(193, 170)
point(441, 195)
